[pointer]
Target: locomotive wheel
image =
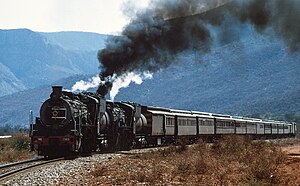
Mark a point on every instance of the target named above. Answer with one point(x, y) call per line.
point(88, 141)
point(112, 141)
point(125, 140)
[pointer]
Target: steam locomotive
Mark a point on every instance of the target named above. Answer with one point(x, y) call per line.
point(81, 123)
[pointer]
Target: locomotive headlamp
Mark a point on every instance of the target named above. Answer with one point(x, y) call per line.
point(54, 113)
point(66, 139)
point(38, 139)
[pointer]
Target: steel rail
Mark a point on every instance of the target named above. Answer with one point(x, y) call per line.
point(17, 170)
point(19, 163)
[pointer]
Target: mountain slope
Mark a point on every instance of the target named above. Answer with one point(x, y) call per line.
point(8, 82)
point(77, 41)
point(35, 61)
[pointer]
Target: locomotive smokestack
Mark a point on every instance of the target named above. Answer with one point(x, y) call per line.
point(104, 88)
point(56, 92)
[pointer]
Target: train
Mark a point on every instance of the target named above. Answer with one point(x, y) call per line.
point(82, 123)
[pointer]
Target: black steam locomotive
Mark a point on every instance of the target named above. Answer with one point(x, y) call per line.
point(86, 122)
point(82, 123)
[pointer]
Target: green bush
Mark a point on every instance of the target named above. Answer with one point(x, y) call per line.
point(15, 148)
point(20, 141)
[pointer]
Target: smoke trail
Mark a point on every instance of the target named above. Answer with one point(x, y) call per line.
point(150, 43)
point(280, 15)
point(156, 35)
point(85, 85)
point(124, 81)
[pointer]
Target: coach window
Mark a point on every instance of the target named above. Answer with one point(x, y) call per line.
point(261, 126)
point(221, 123)
point(208, 123)
point(228, 124)
point(182, 122)
point(170, 121)
point(192, 122)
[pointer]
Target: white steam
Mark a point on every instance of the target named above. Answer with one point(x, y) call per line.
point(119, 82)
point(124, 81)
point(85, 85)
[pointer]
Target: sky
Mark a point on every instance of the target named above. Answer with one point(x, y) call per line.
point(100, 16)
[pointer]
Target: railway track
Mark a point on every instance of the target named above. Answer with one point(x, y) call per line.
point(12, 169)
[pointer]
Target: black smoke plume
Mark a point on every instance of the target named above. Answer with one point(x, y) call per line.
point(281, 16)
point(167, 27)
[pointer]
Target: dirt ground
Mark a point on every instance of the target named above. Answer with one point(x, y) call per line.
point(293, 150)
point(292, 167)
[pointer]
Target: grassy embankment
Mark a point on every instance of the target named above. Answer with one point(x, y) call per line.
point(231, 161)
point(15, 148)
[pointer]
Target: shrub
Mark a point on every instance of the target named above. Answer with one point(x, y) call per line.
point(201, 165)
point(182, 145)
point(183, 169)
point(15, 148)
point(233, 160)
point(264, 168)
point(20, 141)
point(165, 152)
point(152, 176)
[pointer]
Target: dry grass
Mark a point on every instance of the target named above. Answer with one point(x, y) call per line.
point(232, 161)
point(288, 142)
point(15, 148)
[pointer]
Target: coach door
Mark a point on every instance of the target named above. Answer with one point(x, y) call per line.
point(170, 125)
point(157, 125)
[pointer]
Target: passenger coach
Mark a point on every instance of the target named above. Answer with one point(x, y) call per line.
point(167, 125)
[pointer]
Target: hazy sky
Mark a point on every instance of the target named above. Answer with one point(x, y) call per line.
point(101, 16)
